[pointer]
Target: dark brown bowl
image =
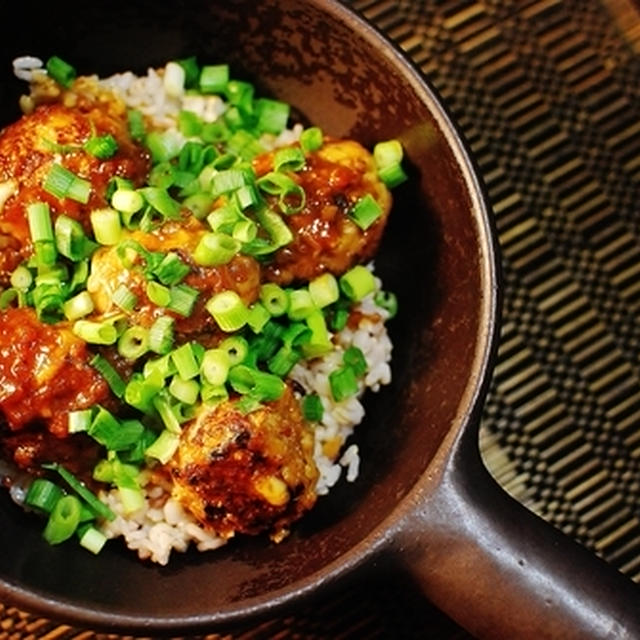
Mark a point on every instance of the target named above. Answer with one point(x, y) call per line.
point(423, 501)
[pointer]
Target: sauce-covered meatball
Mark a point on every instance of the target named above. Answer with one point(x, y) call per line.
point(247, 472)
point(55, 134)
point(326, 238)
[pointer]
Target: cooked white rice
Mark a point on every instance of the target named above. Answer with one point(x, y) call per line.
point(161, 525)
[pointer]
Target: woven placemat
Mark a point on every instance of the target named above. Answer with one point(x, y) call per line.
point(547, 93)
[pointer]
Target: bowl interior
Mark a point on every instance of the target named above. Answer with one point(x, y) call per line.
point(341, 75)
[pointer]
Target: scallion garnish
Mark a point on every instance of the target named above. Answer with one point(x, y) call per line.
point(102, 147)
point(63, 183)
point(387, 300)
point(312, 408)
point(274, 298)
point(107, 226)
point(133, 343)
point(357, 282)
point(343, 383)
point(95, 332)
point(365, 211)
point(214, 78)
point(161, 335)
point(95, 504)
point(228, 310)
point(62, 72)
point(63, 520)
point(311, 139)
point(109, 373)
point(78, 306)
point(43, 495)
point(215, 249)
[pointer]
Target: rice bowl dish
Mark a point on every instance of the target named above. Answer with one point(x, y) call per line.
point(153, 505)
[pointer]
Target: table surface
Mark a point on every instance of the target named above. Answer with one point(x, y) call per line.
point(547, 93)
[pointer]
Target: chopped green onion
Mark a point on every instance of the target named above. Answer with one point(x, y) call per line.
point(281, 363)
point(387, 300)
point(167, 413)
point(387, 152)
point(95, 332)
point(63, 183)
point(158, 293)
point(199, 204)
point(112, 433)
point(300, 304)
point(215, 366)
point(288, 159)
point(61, 71)
point(109, 373)
point(213, 394)
point(319, 342)
point(102, 147)
point(135, 121)
point(107, 226)
point(43, 495)
point(161, 335)
point(343, 383)
point(189, 123)
point(214, 78)
point(161, 201)
point(393, 175)
point(311, 139)
point(275, 226)
point(92, 539)
point(357, 283)
point(171, 269)
point(258, 317)
point(191, 71)
point(365, 211)
point(164, 446)
point(127, 201)
point(182, 299)
point(236, 348)
point(140, 392)
point(228, 310)
point(124, 298)
point(260, 385)
point(215, 249)
point(133, 343)
point(291, 196)
point(63, 520)
point(324, 290)
point(71, 240)
point(78, 306)
point(186, 361)
point(228, 180)
point(186, 391)
point(240, 94)
point(79, 420)
point(312, 408)
point(163, 145)
point(354, 358)
point(274, 298)
point(21, 277)
point(39, 218)
point(95, 504)
point(388, 157)
point(273, 115)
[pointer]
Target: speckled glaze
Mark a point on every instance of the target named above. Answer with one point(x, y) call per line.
point(423, 503)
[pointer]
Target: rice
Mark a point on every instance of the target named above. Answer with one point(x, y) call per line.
point(161, 527)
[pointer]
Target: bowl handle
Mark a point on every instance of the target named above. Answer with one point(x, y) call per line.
point(502, 572)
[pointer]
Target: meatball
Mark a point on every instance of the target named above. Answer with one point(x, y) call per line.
point(247, 473)
point(325, 239)
point(55, 133)
point(241, 274)
point(44, 373)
